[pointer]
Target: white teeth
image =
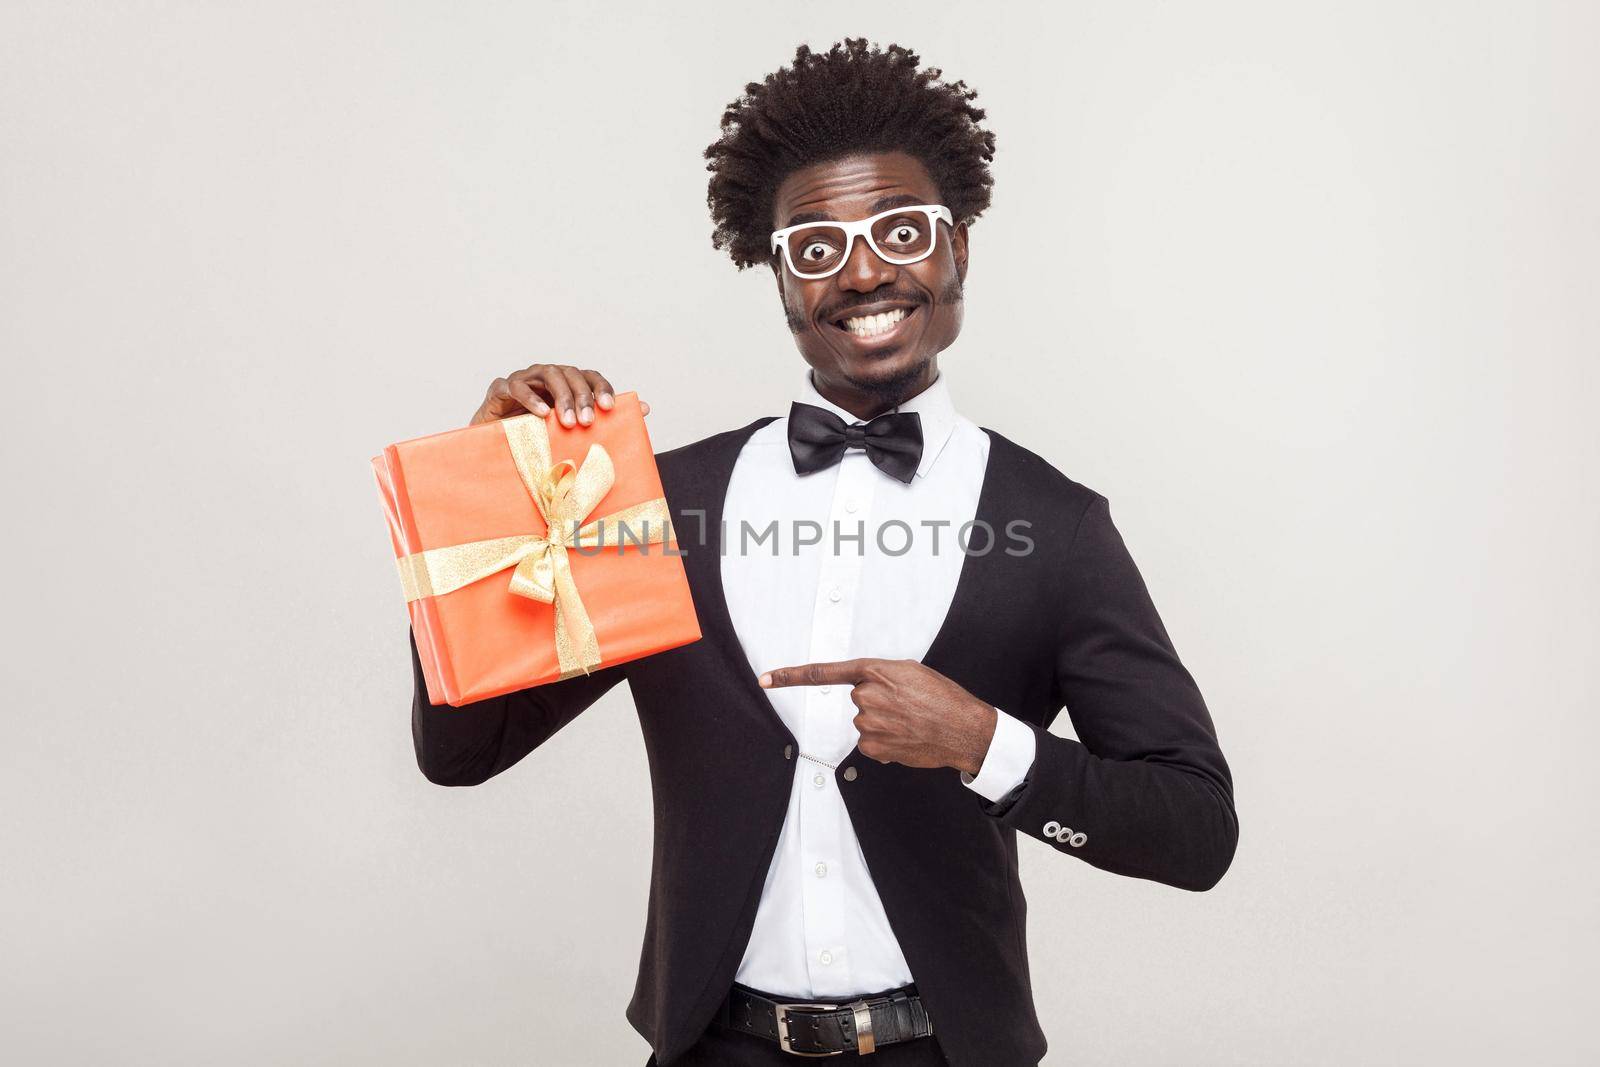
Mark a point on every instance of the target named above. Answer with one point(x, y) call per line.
point(872, 325)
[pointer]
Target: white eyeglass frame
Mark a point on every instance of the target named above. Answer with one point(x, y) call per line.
point(863, 228)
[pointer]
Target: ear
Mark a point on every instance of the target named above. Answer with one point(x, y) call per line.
point(958, 246)
point(777, 274)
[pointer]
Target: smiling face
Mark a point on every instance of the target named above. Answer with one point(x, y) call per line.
point(872, 332)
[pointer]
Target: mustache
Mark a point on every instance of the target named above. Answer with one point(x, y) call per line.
point(878, 296)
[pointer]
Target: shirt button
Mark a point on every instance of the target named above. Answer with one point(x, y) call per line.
point(819, 781)
point(835, 596)
point(824, 957)
point(822, 870)
point(849, 774)
point(788, 752)
point(824, 689)
point(851, 506)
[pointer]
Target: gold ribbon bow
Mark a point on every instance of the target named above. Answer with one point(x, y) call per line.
point(564, 493)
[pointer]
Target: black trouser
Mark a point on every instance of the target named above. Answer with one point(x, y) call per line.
point(721, 1047)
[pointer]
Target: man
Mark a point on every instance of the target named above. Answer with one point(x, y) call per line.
point(841, 764)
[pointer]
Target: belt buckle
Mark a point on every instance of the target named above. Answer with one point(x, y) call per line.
point(866, 1040)
point(783, 1010)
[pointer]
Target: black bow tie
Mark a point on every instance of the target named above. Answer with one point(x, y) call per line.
point(818, 438)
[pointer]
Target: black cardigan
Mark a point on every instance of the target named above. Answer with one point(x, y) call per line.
point(1146, 793)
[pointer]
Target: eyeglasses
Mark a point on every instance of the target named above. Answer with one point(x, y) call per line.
point(900, 236)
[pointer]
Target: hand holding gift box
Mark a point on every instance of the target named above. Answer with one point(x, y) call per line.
point(530, 552)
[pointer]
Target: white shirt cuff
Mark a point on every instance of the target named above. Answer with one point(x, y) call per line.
point(1007, 761)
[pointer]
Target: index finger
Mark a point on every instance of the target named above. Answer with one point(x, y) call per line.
point(842, 672)
point(603, 393)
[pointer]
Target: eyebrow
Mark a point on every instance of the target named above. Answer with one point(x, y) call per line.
point(881, 204)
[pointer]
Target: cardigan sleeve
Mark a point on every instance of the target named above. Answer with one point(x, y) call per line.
point(473, 743)
point(1145, 792)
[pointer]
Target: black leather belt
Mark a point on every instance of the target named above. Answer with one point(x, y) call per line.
point(827, 1029)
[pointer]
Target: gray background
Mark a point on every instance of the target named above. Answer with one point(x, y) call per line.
point(1307, 290)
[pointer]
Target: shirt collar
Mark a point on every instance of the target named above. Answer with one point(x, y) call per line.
point(933, 405)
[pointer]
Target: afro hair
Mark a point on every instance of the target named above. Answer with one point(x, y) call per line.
point(851, 99)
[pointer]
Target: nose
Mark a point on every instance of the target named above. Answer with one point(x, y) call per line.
point(864, 271)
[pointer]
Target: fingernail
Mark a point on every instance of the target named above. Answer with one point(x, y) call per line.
point(764, 681)
point(566, 417)
point(605, 401)
point(541, 409)
point(586, 416)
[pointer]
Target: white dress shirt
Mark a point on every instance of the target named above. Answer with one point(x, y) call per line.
point(876, 579)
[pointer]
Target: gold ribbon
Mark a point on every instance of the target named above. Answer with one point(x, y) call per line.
point(564, 493)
